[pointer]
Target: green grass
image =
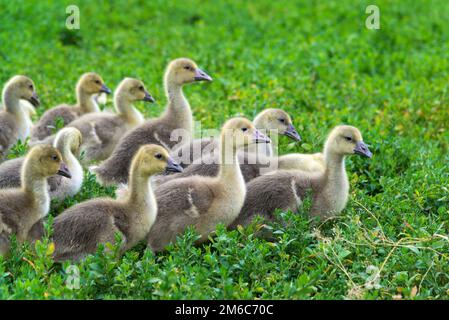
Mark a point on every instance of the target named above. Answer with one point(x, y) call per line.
point(316, 60)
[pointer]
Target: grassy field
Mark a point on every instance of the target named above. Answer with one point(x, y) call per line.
point(314, 59)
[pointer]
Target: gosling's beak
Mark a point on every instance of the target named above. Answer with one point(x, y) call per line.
point(259, 137)
point(292, 133)
point(200, 75)
point(173, 166)
point(64, 171)
point(105, 89)
point(148, 97)
point(362, 149)
point(34, 100)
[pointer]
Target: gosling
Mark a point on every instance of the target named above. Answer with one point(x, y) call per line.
point(204, 202)
point(268, 120)
point(89, 85)
point(286, 189)
point(22, 209)
point(68, 142)
point(80, 229)
point(101, 131)
point(15, 122)
point(177, 116)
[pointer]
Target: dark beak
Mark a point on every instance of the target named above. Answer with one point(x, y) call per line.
point(105, 89)
point(173, 166)
point(259, 137)
point(148, 97)
point(362, 149)
point(200, 75)
point(34, 100)
point(64, 171)
point(292, 133)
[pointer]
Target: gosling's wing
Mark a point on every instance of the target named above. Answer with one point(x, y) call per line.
point(181, 203)
point(79, 229)
point(47, 123)
point(10, 173)
point(189, 196)
point(8, 132)
point(12, 202)
point(109, 128)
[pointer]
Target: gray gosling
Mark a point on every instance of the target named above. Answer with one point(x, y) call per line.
point(253, 159)
point(286, 189)
point(269, 119)
point(15, 122)
point(80, 229)
point(67, 142)
point(204, 202)
point(177, 116)
point(89, 85)
point(102, 131)
point(21, 209)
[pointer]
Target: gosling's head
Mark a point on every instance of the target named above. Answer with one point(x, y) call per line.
point(21, 87)
point(45, 161)
point(277, 119)
point(133, 90)
point(182, 71)
point(152, 159)
point(91, 83)
point(68, 139)
point(242, 132)
point(347, 140)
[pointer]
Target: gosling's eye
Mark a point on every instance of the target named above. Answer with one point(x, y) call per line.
point(187, 67)
point(54, 158)
point(348, 138)
point(97, 81)
point(141, 88)
point(158, 156)
point(244, 129)
point(282, 120)
point(30, 86)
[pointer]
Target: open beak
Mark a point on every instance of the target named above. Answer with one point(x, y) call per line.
point(259, 137)
point(34, 100)
point(362, 149)
point(173, 166)
point(292, 133)
point(64, 171)
point(105, 89)
point(148, 97)
point(200, 75)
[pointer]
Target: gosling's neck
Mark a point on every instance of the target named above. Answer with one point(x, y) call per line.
point(229, 172)
point(332, 194)
point(67, 154)
point(140, 193)
point(35, 187)
point(178, 109)
point(13, 106)
point(86, 102)
point(11, 102)
point(126, 110)
point(335, 171)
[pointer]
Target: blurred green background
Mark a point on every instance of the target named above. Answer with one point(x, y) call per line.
point(314, 59)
